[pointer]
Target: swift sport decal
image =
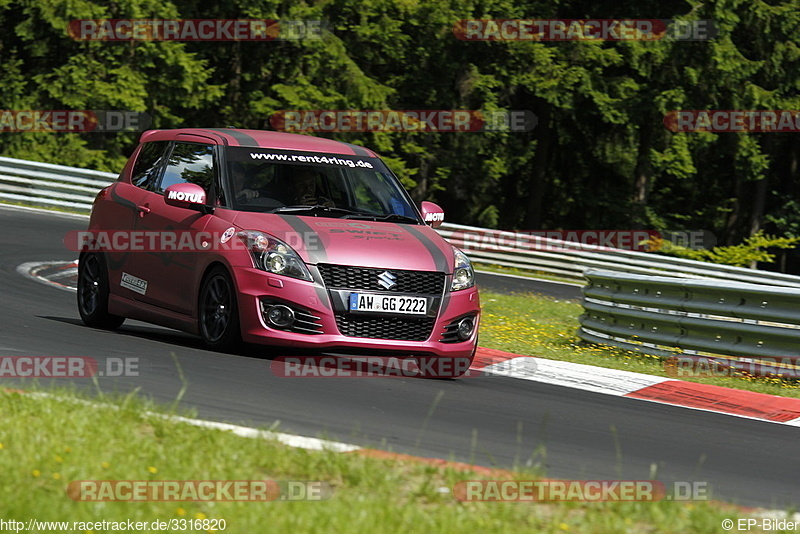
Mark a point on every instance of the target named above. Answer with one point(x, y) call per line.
point(368, 235)
point(363, 226)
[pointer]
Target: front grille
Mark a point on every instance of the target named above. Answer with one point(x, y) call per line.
point(399, 328)
point(366, 279)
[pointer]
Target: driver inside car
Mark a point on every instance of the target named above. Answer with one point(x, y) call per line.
point(242, 185)
point(303, 189)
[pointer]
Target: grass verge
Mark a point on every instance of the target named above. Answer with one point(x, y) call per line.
point(536, 325)
point(48, 441)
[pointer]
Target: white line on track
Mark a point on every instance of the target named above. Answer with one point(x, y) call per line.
point(291, 440)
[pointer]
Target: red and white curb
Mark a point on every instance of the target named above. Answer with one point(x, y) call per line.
point(739, 403)
point(60, 274)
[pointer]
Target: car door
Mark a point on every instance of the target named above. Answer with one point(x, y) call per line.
point(118, 217)
point(172, 236)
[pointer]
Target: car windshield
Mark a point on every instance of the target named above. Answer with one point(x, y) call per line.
point(305, 183)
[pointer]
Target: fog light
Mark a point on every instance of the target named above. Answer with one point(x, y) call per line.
point(465, 328)
point(280, 316)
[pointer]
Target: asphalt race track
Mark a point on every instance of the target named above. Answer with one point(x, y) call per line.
point(517, 284)
point(489, 421)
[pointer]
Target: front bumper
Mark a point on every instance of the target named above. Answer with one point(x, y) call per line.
point(319, 329)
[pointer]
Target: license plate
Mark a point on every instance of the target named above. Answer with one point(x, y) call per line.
point(373, 302)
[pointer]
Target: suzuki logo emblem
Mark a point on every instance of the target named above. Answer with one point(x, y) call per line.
point(387, 280)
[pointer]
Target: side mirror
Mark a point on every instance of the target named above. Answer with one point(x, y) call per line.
point(186, 195)
point(432, 214)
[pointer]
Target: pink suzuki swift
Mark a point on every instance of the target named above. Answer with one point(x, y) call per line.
point(280, 239)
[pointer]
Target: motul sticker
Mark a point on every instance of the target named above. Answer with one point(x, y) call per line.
point(194, 198)
point(134, 284)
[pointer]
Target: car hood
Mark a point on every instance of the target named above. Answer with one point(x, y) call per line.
point(383, 245)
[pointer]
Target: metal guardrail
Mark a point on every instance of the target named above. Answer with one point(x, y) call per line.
point(50, 185)
point(669, 316)
point(570, 260)
point(58, 185)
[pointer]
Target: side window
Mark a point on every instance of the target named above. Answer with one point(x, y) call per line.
point(148, 163)
point(190, 162)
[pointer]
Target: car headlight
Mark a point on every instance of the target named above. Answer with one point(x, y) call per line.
point(273, 255)
point(463, 275)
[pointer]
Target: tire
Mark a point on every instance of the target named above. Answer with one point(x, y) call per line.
point(93, 292)
point(218, 313)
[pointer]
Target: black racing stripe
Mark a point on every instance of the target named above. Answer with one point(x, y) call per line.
point(358, 149)
point(243, 138)
point(316, 252)
point(438, 258)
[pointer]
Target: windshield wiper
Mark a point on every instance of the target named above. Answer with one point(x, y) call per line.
point(346, 213)
point(390, 217)
point(315, 207)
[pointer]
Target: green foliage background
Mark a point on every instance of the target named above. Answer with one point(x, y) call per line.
point(600, 157)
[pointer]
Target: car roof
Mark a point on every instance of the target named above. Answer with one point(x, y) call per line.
point(259, 138)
